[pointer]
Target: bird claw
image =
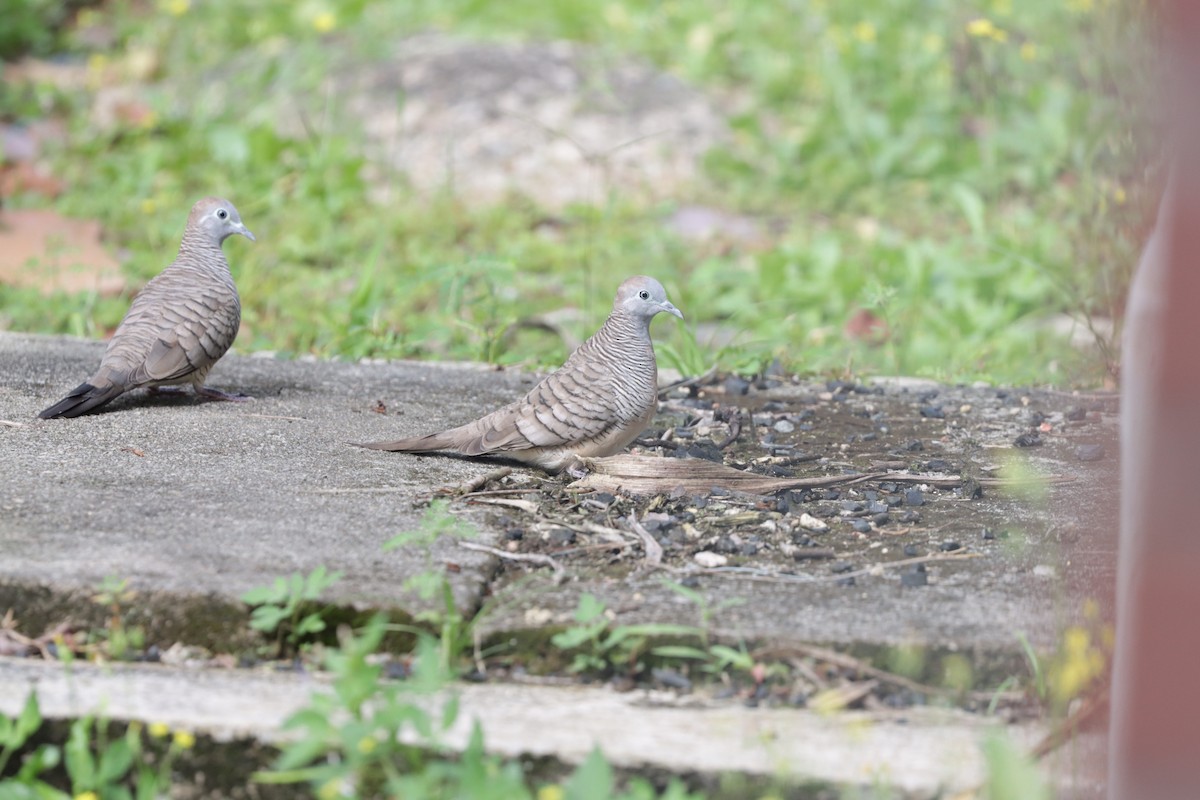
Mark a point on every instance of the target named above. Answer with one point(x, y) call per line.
point(577, 468)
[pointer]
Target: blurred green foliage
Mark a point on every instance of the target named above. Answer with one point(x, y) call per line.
point(962, 172)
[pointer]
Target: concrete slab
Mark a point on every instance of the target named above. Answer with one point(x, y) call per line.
point(201, 499)
point(921, 752)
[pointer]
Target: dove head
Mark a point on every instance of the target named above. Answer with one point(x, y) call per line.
point(642, 297)
point(215, 220)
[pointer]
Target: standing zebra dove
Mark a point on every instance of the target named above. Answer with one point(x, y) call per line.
point(179, 324)
point(593, 405)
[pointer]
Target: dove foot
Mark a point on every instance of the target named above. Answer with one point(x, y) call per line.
point(217, 394)
point(577, 468)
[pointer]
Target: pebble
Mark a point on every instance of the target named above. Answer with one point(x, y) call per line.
point(1044, 571)
point(710, 560)
point(881, 519)
point(812, 523)
point(988, 534)
point(938, 465)
point(839, 567)
point(911, 550)
point(514, 534)
point(861, 525)
point(1076, 414)
point(932, 412)
point(846, 581)
point(971, 489)
point(1089, 452)
point(702, 449)
point(671, 678)
point(909, 517)
point(736, 386)
point(912, 446)
point(915, 576)
point(1028, 439)
point(783, 426)
point(914, 497)
point(560, 537)
point(950, 546)
point(603, 498)
point(876, 507)
point(725, 545)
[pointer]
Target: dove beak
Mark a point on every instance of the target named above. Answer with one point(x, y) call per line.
point(244, 231)
point(670, 309)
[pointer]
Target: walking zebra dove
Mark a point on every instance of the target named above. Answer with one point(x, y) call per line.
point(179, 324)
point(593, 405)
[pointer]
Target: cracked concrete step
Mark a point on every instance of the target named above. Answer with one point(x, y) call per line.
point(919, 751)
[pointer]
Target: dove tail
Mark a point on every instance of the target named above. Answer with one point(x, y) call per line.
point(82, 399)
point(417, 444)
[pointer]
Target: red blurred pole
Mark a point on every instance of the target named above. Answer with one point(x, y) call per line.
point(1155, 722)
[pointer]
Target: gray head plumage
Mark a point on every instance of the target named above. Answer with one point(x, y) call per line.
point(643, 297)
point(215, 219)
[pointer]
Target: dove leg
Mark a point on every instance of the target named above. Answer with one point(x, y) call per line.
point(217, 394)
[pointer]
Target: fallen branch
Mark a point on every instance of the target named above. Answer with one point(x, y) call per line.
point(527, 506)
point(753, 574)
point(1066, 729)
point(476, 483)
point(735, 430)
point(650, 546)
point(534, 558)
point(688, 381)
point(846, 661)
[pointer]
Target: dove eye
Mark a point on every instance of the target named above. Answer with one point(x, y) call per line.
point(222, 213)
point(644, 294)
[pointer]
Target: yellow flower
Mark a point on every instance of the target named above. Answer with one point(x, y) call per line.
point(617, 17)
point(981, 28)
point(157, 729)
point(864, 32)
point(329, 790)
point(324, 22)
point(700, 39)
point(551, 792)
point(86, 796)
point(1076, 641)
point(932, 43)
point(183, 740)
point(1119, 196)
point(1029, 51)
point(366, 745)
point(177, 8)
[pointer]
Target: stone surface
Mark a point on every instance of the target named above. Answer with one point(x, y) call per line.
point(556, 121)
point(192, 497)
point(919, 751)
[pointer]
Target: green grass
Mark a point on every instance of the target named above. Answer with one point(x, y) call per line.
point(962, 180)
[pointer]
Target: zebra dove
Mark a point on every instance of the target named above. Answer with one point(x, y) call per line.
point(593, 405)
point(179, 324)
